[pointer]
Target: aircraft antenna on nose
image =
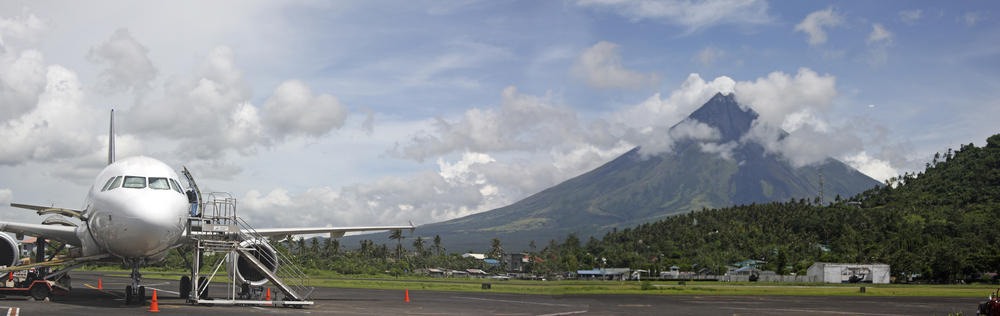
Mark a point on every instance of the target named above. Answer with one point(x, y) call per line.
point(111, 139)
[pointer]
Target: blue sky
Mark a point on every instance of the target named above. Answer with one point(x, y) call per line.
point(378, 112)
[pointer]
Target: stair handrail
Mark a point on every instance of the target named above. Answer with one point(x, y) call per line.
point(288, 271)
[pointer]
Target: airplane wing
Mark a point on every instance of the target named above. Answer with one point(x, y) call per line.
point(65, 234)
point(42, 210)
point(335, 232)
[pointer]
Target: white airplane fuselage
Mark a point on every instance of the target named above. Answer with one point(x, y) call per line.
point(136, 210)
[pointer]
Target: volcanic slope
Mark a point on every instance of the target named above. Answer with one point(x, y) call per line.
point(634, 189)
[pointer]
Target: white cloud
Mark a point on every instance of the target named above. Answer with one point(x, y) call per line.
point(816, 21)
point(199, 105)
point(809, 145)
point(800, 107)
point(422, 197)
point(600, 66)
point(725, 151)
point(910, 17)
point(879, 34)
point(22, 80)
point(55, 128)
point(779, 95)
point(209, 111)
point(877, 169)
point(693, 15)
point(879, 41)
point(971, 17)
point(693, 93)
point(459, 172)
point(523, 123)
point(23, 27)
point(129, 64)
point(294, 109)
point(796, 105)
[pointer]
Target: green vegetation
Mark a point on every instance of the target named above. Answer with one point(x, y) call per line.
point(941, 224)
point(411, 282)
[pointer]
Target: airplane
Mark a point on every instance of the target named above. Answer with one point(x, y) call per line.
point(135, 211)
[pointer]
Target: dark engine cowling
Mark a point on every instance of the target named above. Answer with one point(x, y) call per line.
point(9, 253)
point(245, 271)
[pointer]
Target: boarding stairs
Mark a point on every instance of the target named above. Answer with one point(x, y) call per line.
point(217, 229)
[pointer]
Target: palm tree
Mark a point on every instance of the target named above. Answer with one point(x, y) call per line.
point(496, 250)
point(289, 241)
point(532, 246)
point(437, 245)
point(367, 248)
point(397, 234)
point(418, 245)
point(331, 248)
point(335, 246)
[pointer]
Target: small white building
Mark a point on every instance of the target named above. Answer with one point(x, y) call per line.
point(477, 256)
point(876, 273)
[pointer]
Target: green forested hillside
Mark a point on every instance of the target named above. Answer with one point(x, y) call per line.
point(941, 223)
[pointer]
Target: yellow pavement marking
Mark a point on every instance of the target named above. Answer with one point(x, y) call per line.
point(93, 287)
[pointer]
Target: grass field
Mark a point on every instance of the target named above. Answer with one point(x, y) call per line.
point(632, 287)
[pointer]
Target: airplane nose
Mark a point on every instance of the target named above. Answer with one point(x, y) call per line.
point(153, 226)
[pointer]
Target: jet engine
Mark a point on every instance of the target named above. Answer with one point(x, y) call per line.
point(9, 252)
point(245, 271)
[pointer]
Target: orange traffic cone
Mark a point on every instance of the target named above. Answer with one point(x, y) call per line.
point(407, 295)
point(99, 287)
point(268, 297)
point(154, 307)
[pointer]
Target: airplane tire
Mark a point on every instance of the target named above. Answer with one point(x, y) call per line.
point(202, 282)
point(39, 292)
point(185, 287)
point(128, 295)
point(142, 294)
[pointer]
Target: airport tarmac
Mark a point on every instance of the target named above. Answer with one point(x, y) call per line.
point(87, 300)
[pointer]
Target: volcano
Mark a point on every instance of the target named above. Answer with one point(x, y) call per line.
point(634, 188)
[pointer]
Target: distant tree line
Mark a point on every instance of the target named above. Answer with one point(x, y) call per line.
point(939, 224)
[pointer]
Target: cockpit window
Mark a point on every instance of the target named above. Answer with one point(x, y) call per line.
point(174, 185)
point(106, 185)
point(134, 182)
point(159, 184)
point(114, 185)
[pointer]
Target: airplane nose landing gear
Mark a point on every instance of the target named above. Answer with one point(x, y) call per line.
point(135, 292)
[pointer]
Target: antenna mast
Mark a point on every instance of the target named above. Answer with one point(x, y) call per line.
point(821, 186)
